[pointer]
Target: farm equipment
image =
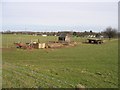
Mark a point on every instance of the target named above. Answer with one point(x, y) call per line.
point(19, 45)
point(23, 46)
point(30, 45)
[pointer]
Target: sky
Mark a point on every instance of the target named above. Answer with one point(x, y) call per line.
point(46, 15)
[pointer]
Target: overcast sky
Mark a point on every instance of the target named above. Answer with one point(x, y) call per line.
point(60, 13)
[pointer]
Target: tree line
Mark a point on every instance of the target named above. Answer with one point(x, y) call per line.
point(109, 32)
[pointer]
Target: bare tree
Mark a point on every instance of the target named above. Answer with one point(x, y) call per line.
point(110, 32)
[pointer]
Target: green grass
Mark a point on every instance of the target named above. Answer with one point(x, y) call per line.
point(93, 66)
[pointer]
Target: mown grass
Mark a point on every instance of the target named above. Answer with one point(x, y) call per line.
point(93, 66)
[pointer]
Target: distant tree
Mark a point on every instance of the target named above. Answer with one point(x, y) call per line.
point(110, 32)
point(74, 33)
point(90, 31)
point(8, 32)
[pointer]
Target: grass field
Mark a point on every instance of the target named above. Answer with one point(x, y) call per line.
point(93, 66)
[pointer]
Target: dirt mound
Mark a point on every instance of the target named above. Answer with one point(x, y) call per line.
point(61, 44)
